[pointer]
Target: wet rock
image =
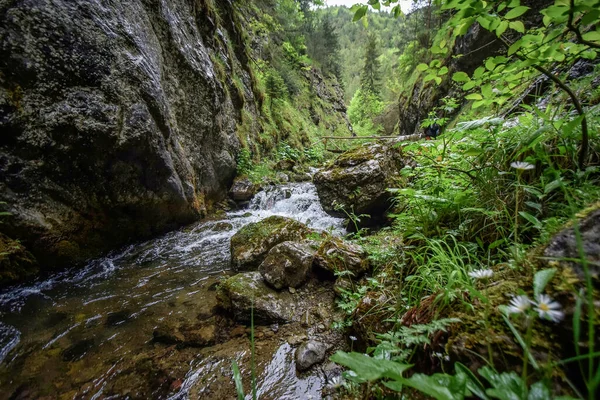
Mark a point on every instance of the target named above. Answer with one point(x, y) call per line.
point(222, 227)
point(309, 354)
point(335, 255)
point(358, 181)
point(78, 350)
point(117, 318)
point(245, 291)
point(168, 334)
point(564, 245)
point(282, 177)
point(115, 123)
point(242, 189)
point(16, 263)
point(250, 245)
point(199, 336)
point(287, 264)
point(285, 165)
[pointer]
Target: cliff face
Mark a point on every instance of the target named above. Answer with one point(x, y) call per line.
point(114, 122)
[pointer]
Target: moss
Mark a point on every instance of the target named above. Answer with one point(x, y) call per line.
point(16, 263)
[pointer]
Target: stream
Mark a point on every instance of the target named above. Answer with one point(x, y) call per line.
point(87, 333)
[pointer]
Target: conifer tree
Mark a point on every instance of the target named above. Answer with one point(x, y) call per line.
point(369, 80)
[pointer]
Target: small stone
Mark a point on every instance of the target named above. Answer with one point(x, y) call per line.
point(296, 339)
point(321, 328)
point(309, 354)
point(292, 290)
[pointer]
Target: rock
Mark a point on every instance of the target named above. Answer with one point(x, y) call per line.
point(202, 335)
point(115, 122)
point(168, 334)
point(564, 245)
point(309, 354)
point(358, 181)
point(335, 255)
point(16, 263)
point(287, 265)
point(245, 291)
point(250, 245)
point(282, 177)
point(285, 165)
point(242, 189)
point(196, 335)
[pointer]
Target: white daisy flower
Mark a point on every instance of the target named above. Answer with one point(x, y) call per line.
point(521, 165)
point(548, 309)
point(353, 338)
point(481, 274)
point(519, 304)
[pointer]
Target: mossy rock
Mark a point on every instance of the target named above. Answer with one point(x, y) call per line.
point(563, 248)
point(358, 181)
point(336, 255)
point(251, 244)
point(16, 263)
point(247, 291)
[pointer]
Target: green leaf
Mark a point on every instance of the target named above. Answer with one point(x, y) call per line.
point(517, 26)
point(516, 12)
point(537, 206)
point(422, 67)
point(479, 103)
point(368, 368)
point(533, 220)
point(360, 12)
point(541, 279)
point(429, 77)
point(539, 391)
point(460, 77)
point(469, 85)
point(473, 384)
point(515, 47)
point(505, 386)
point(590, 17)
point(473, 96)
point(593, 36)
point(490, 64)
point(442, 43)
point(501, 28)
point(397, 11)
point(438, 80)
point(443, 71)
point(237, 378)
point(555, 184)
point(436, 386)
point(478, 72)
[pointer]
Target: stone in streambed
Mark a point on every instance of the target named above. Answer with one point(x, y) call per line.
point(242, 189)
point(287, 264)
point(309, 354)
point(250, 245)
point(246, 291)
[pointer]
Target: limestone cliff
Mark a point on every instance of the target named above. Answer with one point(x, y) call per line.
point(118, 119)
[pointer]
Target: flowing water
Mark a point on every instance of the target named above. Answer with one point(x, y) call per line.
point(82, 331)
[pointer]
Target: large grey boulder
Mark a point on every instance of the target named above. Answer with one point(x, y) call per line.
point(250, 245)
point(242, 189)
point(357, 181)
point(115, 121)
point(287, 264)
point(563, 249)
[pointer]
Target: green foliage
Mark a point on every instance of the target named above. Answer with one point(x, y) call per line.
point(244, 162)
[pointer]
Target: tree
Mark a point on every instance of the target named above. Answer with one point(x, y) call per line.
point(369, 79)
point(570, 31)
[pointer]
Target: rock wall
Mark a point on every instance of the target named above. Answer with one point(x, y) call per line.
point(116, 122)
